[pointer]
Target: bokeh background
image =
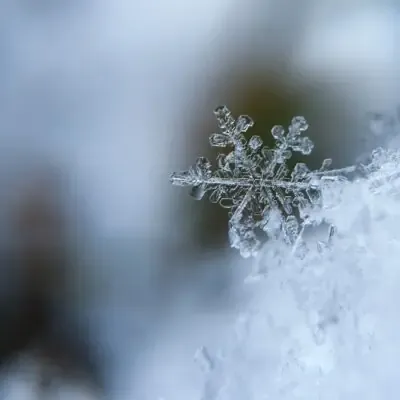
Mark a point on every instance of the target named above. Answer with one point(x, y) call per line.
point(115, 95)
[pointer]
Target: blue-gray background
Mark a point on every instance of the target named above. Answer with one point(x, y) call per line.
point(117, 94)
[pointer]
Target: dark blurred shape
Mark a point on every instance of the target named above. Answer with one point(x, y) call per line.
point(42, 257)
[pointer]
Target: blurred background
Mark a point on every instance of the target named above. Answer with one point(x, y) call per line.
point(99, 102)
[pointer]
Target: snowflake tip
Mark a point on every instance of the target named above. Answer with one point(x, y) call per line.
point(222, 111)
point(243, 123)
point(219, 140)
point(180, 178)
point(299, 123)
point(278, 132)
point(306, 147)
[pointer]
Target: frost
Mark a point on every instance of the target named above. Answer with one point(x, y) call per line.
point(326, 326)
point(254, 182)
point(325, 322)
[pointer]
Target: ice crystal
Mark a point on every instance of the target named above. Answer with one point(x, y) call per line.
point(325, 326)
point(253, 181)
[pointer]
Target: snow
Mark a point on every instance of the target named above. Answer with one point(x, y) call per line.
point(78, 81)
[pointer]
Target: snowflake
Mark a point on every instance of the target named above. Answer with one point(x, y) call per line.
point(253, 181)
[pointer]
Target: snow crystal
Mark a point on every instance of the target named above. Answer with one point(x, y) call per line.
point(255, 183)
point(323, 323)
